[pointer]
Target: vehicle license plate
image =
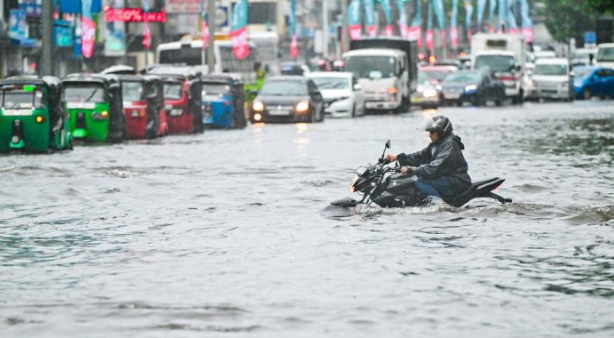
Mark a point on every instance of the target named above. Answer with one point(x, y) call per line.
point(278, 112)
point(450, 96)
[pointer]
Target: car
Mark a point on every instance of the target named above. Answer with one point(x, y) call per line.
point(473, 86)
point(426, 95)
point(593, 81)
point(583, 57)
point(291, 68)
point(552, 79)
point(342, 93)
point(288, 98)
point(436, 74)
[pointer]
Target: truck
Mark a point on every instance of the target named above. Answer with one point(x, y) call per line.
point(386, 69)
point(504, 56)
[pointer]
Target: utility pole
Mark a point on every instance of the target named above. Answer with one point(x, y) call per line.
point(325, 36)
point(211, 24)
point(47, 38)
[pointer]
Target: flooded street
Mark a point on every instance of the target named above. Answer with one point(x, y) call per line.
point(230, 234)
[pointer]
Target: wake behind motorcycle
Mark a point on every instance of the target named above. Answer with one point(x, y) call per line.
point(383, 185)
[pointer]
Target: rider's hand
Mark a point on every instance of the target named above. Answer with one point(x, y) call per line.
point(408, 170)
point(391, 158)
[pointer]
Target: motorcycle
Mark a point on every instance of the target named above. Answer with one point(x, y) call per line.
point(384, 185)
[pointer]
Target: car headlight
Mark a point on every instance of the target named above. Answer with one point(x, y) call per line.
point(430, 93)
point(302, 107)
point(438, 87)
point(471, 88)
point(258, 106)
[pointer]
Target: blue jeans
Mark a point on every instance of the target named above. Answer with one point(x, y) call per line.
point(436, 188)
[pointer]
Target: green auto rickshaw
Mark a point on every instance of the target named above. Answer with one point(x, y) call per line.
point(32, 115)
point(94, 103)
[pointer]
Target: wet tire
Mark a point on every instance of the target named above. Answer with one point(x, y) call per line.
point(586, 94)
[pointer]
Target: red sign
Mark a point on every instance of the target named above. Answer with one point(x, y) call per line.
point(132, 15)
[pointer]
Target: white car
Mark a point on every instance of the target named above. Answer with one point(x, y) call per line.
point(552, 79)
point(342, 93)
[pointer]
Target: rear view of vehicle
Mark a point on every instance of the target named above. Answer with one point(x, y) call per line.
point(288, 99)
point(223, 98)
point(552, 80)
point(134, 97)
point(94, 103)
point(503, 65)
point(32, 115)
point(182, 99)
point(341, 92)
point(426, 95)
point(473, 86)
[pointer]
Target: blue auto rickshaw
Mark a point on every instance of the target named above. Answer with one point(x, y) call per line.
point(223, 98)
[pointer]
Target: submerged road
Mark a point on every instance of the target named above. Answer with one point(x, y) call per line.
point(229, 234)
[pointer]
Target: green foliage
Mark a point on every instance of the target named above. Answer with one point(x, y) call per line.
point(569, 18)
point(602, 6)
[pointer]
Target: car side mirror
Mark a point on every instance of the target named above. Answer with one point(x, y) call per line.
point(357, 87)
point(517, 68)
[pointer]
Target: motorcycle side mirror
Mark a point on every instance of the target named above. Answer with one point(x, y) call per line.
point(388, 144)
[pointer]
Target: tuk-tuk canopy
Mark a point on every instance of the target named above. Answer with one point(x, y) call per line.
point(52, 83)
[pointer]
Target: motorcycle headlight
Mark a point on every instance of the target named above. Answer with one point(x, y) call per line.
point(360, 171)
point(352, 182)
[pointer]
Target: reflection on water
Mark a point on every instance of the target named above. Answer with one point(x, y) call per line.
point(231, 233)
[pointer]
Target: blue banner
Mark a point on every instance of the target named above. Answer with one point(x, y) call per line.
point(438, 8)
point(402, 17)
point(491, 14)
point(502, 15)
point(387, 10)
point(292, 19)
point(524, 14)
point(511, 18)
point(74, 6)
point(481, 7)
point(468, 14)
point(17, 24)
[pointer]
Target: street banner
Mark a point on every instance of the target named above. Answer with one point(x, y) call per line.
point(88, 29)
point(481, 7)
point(453, 25)
point(294, 43)
point(370, 18)
point(354, 24)
point(115, 42)
point(492, 5)
point(238, 31)
point(439, 14)
point(511, 18)
point(17, 24)
point(502, 15)
point(204, 27)
point(74, 6)
point(468, 14)
point(415, 30)
point(429, 28)
point(527, 23)
point(146, 31)
point(402, 18)
point(385, 4)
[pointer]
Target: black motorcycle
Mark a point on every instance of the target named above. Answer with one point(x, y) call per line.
point(383, 185)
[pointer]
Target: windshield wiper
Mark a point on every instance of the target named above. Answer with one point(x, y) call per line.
point(93, 93)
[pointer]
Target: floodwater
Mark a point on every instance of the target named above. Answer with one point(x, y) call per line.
point(229, 234)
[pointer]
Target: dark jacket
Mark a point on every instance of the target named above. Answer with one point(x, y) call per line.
point(442, 159)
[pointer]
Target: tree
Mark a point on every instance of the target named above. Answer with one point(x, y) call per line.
point(602, 6)
point(569, 18)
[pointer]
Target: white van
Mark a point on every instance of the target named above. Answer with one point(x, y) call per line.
point(552, 79)
point(605, 55)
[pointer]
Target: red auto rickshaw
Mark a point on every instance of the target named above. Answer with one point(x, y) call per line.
point(182, 98)
point(134, 97)
point(155, 105)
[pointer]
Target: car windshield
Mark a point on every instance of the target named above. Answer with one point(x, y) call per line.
point(583, 72)
point(438, 75)
point(605, 54)
point(284, 88)
point(21, 99)
point(81, 92)
point(215, 89)
point(462, 77)
point(422, 77)
point(331, 82)
point(132, 91)
point(172, 90)
point(365, 67)
point(496, 63)
point(550, 70)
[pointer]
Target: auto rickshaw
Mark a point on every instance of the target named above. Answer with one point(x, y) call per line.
point(95, 106)
point(182, 98)
point(141, 121)
point(155, 106)
point(223, 101)
point(32, 115)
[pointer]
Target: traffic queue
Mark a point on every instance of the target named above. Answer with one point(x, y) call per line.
point(45, 114)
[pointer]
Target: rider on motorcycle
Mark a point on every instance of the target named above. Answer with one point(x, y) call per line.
point(441, 167)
